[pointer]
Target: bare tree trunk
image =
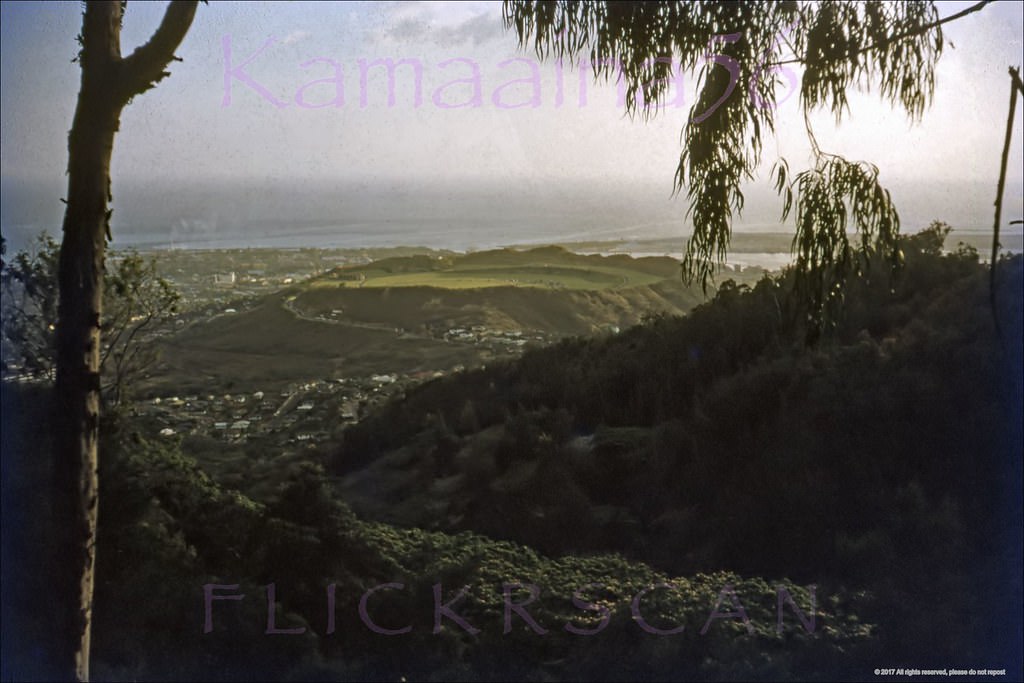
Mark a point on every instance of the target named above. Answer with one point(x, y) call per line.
point(108, 82)
point(86, 222)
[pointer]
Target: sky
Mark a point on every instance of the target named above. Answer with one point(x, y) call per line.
point(242, 110)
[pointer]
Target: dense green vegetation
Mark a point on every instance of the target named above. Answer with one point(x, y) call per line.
point(169, 529)
point(880, 464)
point(886, 456)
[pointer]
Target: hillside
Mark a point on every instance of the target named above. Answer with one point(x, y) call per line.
point(721, 439)
point(171, 531)
point(421, 313)
point(674, 469)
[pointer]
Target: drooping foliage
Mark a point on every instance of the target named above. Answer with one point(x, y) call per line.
point(741, 52)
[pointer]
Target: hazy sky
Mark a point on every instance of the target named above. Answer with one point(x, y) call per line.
point(204, 123)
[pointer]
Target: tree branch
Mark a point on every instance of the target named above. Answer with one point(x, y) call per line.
point(907, 34)
point(100, 38)
point(119, 326)
point(1015, 85)
point(144, 68)
point(1017, 82)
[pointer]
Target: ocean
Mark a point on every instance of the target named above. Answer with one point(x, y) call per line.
point(471, 216)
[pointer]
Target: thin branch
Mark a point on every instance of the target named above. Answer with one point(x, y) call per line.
point(1017, 82)
point(810, 134)
point(1015, 85)
point(120, 326)
point(144, 68)
point(136, 329)
point(907, 34)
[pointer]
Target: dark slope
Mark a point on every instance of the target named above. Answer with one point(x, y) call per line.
point(887, 456)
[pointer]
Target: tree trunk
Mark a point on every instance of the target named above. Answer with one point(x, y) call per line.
point(108, 82)
point(86, 223)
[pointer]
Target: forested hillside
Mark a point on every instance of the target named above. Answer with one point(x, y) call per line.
point(864, 488)
point(884, 456)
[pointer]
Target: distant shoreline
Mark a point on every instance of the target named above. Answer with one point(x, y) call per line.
point(749, 244)
point(769, 249)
